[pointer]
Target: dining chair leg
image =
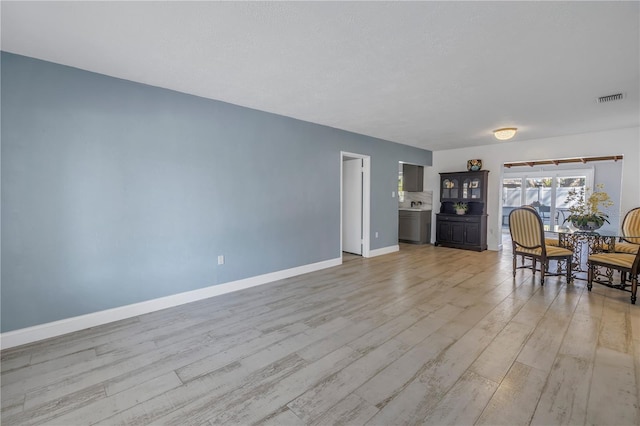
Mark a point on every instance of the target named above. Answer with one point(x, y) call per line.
point(534, 262)
point(543, 270)
point(569, 275)
point(590, 276)
point(514, 265)
point(634, 288)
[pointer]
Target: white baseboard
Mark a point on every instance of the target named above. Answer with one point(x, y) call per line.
point(383, 250)
point(23, 336)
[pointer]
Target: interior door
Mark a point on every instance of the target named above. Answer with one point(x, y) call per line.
point(352, 206)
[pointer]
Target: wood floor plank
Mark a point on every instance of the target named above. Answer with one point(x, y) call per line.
point(428, 325)
point(43, 413)
point(408, 407)
point(238, 407)
point(79, 341)
point(412, 404)
point(636, 359)
point(18, 360)
point(392, 379)
point(118, 374)
point(217, 360)
point(207, 406)
point(105, 407)
point(178, 357)
point(615, 332)
point(284, 417)
point(564, 399)
point(464, 403)
point(320, 398)
point(12, 405)
point(184, 405)
point(634, 319)
point(351, 411)
point(581, 338)
point(332, 342)
point(515, 399)
point(543, 344)
point(613, 392)
point(36, 372)
point(495, 361)
point(386, 331)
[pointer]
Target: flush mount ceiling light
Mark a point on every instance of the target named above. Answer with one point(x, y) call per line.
point(505, 133)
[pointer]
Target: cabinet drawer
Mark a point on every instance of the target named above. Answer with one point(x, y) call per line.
point(459, 218)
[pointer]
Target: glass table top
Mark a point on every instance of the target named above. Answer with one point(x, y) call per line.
point(563, 229)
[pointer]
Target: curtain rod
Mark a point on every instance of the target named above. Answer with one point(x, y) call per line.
point(583, 160)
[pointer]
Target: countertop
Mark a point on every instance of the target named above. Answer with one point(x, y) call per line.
point(414, 209)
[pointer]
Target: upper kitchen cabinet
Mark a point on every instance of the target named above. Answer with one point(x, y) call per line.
point(412, 178)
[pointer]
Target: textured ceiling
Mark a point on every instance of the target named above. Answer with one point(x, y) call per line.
point(436, 75)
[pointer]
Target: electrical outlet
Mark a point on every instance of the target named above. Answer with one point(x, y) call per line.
point(393, 194)
point(221, 260)
point(376, 234)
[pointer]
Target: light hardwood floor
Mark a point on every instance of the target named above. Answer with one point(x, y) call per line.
point(428, 335)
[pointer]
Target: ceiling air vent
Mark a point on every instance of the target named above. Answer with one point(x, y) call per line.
point(610, 98)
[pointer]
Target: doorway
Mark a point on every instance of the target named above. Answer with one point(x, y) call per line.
point(354, 203)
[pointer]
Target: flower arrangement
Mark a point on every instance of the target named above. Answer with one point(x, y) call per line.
point(585, 213)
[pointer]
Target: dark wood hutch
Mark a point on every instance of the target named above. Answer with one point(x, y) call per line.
point(468, 231)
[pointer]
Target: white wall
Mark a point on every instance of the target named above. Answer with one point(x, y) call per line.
point(624, 142)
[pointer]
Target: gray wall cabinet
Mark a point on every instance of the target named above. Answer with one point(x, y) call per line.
point(412, 178)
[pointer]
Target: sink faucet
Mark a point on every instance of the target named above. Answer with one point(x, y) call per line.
point(413, 204)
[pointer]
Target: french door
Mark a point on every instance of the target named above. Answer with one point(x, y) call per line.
point(546, 191)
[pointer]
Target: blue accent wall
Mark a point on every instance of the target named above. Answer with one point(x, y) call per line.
point(115, 192)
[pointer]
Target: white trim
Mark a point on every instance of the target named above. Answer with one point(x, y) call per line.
point(366, 206)
point(56, 328)
point(384, 250)
point(366, 200)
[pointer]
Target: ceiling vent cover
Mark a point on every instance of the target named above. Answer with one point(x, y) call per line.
point(610, 98)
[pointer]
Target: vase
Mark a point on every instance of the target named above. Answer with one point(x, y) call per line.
point(474, 165)
point(589, 226)
point(460, 211)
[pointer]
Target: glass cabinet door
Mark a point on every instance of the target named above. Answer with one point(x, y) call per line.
point(450, 187)
point(472, 189)
point(475, 189)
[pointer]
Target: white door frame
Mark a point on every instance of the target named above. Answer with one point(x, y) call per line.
point(366, 200)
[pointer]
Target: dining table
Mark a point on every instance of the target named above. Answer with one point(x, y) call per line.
point(585, 243)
